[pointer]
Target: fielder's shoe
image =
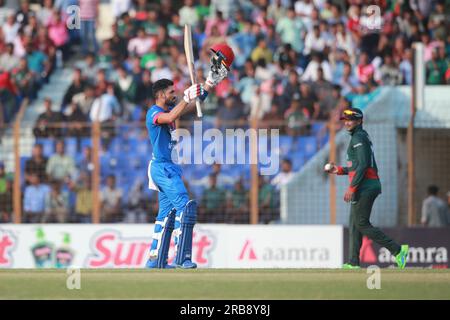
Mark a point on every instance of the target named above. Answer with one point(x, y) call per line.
point(402, 256)
point(188, 264)
point(350, 266)
point(152, 264)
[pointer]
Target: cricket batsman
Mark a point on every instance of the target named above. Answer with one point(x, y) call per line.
point(177, 213)
point(364, 188)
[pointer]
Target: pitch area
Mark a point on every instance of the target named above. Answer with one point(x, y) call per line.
point(225, 284)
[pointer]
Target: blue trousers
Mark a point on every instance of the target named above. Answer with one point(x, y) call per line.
point(172, 195)
point(88, 35)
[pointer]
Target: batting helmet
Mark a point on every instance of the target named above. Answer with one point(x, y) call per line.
point(224, 53)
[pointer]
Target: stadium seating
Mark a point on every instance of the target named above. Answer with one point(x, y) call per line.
point(48, 146)
point(71, 146)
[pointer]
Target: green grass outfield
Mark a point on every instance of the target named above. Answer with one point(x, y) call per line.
point(225, 284)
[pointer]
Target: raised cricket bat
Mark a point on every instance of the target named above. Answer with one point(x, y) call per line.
point(190, 61)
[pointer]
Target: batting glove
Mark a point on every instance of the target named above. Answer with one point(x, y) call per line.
point(193, 92)
point(215, 75)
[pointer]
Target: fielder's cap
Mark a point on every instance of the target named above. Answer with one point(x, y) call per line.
point(351, 114)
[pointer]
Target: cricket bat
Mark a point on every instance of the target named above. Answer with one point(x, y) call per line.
point(190, 61)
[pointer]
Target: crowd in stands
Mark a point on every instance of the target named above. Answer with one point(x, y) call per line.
point(59, 189)
point(30, 43)
point(297, 62)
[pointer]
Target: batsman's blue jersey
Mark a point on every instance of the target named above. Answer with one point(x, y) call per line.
point(162, 171)
point(160, 135)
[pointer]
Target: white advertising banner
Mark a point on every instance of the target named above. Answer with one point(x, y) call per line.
point(127, 246)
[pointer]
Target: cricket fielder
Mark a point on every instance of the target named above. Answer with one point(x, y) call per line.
point(364, 188)
point(177, 213)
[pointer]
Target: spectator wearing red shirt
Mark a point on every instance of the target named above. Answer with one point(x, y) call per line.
point(353, 20)
point(364, 69)
point(8, 91)
point(141, 14)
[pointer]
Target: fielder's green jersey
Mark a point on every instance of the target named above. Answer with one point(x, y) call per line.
point(361, 166)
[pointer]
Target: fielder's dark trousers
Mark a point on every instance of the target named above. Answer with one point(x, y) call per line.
point(360, 226)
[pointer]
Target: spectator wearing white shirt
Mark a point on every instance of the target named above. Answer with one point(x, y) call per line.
point(141, 44)
point(276, 10)
point(188, 14)
point(311, 73)
point(314, 41)
point(20, 42)
point(344, 41)
point(60, 166)
point(327, 34)
point(44, 15)
point(161, 71)
point(10, 29)
point(105, 107)
point(8, 61)
point(85, 99)
point(390, 74)
point(120, 6)
point(225, 7)
point(284, 176)
point(4, 12)
point(304, 8)
point(320, 4)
